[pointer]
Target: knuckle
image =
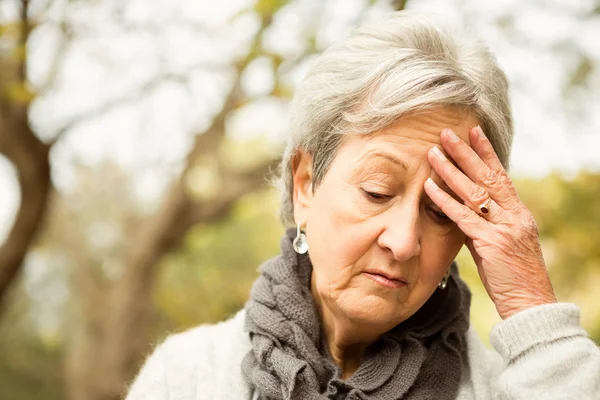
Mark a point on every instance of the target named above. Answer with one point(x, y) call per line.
point(529, 225)
point(477, 194)
point(447, 202)
point(489, 178)
point(505, 179)
point(463, 212)
point(488, 151)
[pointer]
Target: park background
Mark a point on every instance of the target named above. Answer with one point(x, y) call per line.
point(135, 136)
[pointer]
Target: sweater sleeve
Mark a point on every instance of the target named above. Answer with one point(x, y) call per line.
point(185, 366)
point(151, 382)
point(547, 355)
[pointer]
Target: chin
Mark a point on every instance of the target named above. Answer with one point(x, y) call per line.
point(372, 310)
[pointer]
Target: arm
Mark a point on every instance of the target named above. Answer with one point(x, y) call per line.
point(151, 382)
point(547, 355)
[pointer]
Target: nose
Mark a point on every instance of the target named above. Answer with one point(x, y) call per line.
point(400, 233)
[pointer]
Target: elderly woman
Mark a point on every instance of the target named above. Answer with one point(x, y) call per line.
point(399, 145)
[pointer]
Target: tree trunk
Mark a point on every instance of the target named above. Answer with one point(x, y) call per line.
point(26, 152)
point(30, 158)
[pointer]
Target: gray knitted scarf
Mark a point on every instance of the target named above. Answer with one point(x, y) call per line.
point(420, 358)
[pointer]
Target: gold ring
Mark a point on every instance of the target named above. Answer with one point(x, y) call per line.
point(484, 209)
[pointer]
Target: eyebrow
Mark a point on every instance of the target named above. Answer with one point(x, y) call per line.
point(404, 165)
point(388, 157)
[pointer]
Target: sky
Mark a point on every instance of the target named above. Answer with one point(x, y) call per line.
point(150, 132)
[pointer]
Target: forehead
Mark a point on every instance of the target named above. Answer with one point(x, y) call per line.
point(427, 126)
point(409, 139)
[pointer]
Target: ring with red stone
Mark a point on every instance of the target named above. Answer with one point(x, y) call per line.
point(484, 208)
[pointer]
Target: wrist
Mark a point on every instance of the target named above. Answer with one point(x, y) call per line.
point(523, 302)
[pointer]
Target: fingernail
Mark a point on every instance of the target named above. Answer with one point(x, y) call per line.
point(452, 135)
point(438, 153)
point(481, 134)
point(431, 183)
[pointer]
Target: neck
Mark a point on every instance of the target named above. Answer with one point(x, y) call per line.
point(346, 340)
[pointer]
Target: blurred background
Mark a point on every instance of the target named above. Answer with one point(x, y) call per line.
point(135, 136)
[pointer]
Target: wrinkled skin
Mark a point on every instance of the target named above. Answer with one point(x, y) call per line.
point(389, 203)
point(504, 243)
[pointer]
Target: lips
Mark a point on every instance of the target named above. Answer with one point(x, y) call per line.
point(386, 279)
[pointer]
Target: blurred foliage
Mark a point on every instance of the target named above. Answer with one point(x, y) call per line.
point(29, 364)
point(568, 217)
point(209, 277)
point(18, 93)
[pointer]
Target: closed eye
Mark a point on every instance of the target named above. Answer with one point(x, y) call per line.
point(376, 197)
point(440, 216)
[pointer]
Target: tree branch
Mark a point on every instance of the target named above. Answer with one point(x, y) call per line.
point(237, 186)
point(30, 157)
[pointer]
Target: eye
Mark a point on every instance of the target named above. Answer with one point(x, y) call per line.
point(439, 216)
point(376, 197)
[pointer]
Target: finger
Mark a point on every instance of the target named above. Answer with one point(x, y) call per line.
point(474, 167)
point(476, 256)
point(466, 219)
point(484, 149)
point(472, 194)
point(478, 262)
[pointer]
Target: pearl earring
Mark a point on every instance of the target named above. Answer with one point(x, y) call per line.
point(444, 282)
point(300, 244)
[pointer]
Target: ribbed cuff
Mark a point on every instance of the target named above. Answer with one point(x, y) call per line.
point(538, 325)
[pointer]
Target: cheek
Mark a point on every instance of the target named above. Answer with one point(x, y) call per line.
point(337, 239)
point(437, 253)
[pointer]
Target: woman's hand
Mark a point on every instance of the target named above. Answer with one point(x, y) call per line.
point(504, 241)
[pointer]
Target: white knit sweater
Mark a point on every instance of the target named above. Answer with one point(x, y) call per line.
point(542, 353)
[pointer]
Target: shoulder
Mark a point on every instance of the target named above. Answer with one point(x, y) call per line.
point(203, 341)
point(196, 364)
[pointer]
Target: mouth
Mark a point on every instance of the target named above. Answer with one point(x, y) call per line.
point(385, 279)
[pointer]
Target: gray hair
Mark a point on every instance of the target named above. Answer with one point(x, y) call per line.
point(407, 63)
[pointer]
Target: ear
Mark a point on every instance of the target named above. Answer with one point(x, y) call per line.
point(302, 178)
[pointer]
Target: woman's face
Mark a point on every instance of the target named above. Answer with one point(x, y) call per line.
point(370, 216)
